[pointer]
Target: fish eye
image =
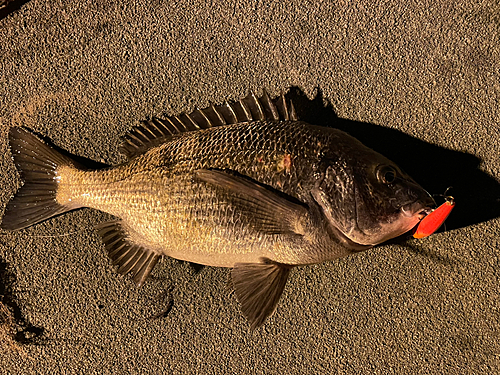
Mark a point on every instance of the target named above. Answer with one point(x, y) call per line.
point(386, 174)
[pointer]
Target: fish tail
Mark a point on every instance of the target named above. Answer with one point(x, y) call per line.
point(38, 166)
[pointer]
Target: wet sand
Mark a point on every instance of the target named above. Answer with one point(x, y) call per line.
point(420, 83)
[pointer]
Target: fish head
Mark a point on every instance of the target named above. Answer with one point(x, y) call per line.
point(367, 199)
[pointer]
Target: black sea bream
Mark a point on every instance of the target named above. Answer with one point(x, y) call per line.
point(246, 186)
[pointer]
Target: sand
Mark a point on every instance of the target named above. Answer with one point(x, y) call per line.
point(418, 81)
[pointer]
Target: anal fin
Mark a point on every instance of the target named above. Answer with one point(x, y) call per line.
point(130, 258)
point(258, 288)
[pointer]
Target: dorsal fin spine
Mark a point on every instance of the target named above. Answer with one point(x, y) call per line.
point(219, 115)
point(293, 113)
point(183, 127)
point(209, 122)
point(153, 128)
point(246, 110)
point(193, 123)
point(171, 123)
point(147, 129)
point(261, 115)
point(282, 103)
point(232, 112)
point(166, 126)
point(133, 137)
point(250, 108)
point(271, 106)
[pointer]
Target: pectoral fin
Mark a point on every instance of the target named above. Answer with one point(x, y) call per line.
point(258, 287)
point(264, 208)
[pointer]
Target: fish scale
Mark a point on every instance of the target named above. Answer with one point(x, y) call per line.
point(244, 185)
point(231, 149)
point(175, 222)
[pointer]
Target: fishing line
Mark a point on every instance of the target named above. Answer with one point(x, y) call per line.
point(48, 236)
point(446, 197)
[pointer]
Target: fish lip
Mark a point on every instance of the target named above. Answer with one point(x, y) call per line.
point(419, 207)
point(413, 208)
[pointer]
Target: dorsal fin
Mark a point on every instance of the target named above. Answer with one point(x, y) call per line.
point(152, 133)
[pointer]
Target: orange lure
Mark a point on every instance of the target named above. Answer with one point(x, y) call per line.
point(435, 219)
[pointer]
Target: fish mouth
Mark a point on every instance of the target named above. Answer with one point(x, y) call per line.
point(419, 207)
point(416, 208)
point(410, 214)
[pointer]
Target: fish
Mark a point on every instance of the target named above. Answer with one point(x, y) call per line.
point(246, 185)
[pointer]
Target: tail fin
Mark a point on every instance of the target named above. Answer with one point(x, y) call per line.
point(37, 164)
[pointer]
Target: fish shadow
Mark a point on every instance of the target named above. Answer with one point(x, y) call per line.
point(435, 168)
